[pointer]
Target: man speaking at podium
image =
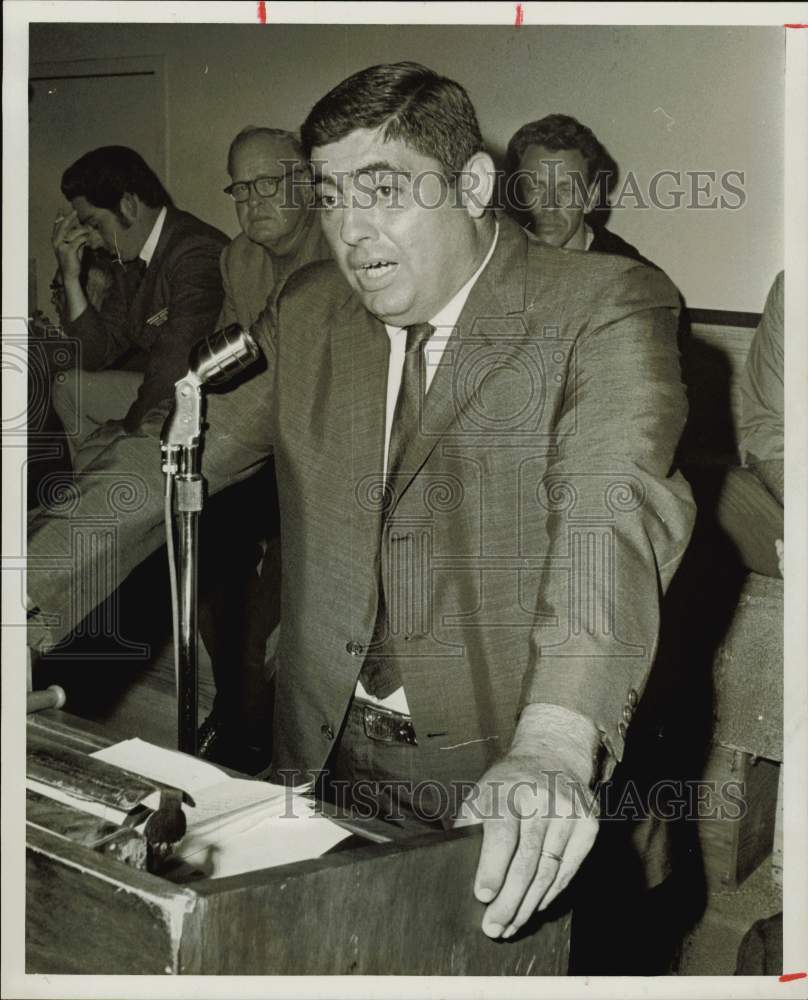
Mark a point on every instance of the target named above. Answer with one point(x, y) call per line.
point(474, 439)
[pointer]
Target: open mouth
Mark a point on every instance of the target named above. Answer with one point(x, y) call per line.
point(375, 272)
point(379, 267)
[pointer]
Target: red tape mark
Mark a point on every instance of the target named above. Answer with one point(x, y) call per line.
point(795, 25)
point(792, 975)
point(262, 11)
point(520, 16)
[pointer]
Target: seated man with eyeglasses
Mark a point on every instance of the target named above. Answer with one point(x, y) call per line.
point(280, 232)
point(271, 188)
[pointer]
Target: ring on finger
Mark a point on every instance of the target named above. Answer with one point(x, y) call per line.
point(550, 854)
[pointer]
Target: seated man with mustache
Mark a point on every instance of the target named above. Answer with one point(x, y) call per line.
point(165, 295)
point(561, 175)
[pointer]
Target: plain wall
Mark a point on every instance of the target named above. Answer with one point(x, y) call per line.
point(694, 98)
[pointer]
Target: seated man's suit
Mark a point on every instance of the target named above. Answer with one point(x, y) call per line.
point(251, 274)
point(605, 241)
point(148, 324)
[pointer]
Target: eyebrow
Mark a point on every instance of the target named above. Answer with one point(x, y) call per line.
point(375, 167)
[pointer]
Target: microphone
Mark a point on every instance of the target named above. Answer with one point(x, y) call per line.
point(215, 359)
point(223, 354)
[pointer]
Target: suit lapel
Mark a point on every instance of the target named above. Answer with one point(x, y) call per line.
point(360, 355)
point(172, 217)
point(499, 293)
point(143, 297)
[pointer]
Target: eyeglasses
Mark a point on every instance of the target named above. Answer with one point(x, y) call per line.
point(264, 187)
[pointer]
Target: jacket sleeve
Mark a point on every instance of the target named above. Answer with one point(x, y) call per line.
point(194, 300)
point(762, 405)
point(102, 335)
point(228, 313)
point(619, 516)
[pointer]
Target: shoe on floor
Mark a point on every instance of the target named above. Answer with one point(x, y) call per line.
point(221, 743)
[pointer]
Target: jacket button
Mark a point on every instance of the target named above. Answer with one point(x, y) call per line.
point(354, 648)
point(633, 698)
point(627, 713)
point(621, 728)
point(327, 731)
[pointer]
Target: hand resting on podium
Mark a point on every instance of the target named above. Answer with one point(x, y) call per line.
point(537, 815)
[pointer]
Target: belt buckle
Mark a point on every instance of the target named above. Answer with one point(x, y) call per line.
point(386, 726)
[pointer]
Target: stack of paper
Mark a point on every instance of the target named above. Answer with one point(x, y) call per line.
point(237, 825)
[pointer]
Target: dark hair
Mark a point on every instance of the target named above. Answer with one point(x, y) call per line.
point(271, 133)
point(104, 175)
point(431, 113)
point(557, 132)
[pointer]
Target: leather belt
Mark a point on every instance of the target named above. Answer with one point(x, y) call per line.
point(386, 726)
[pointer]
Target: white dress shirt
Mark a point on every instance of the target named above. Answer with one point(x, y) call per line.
point(148, 248)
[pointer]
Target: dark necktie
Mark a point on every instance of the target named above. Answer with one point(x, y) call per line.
point(132, 277)
point(380, 675)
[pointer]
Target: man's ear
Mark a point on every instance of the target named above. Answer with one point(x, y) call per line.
point(129, 207)
point(476, 184)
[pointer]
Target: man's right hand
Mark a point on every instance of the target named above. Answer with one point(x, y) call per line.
point(69, 238)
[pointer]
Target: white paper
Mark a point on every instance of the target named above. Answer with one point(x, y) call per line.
point(237, 824)
point(168, 766)
point(279, 840)
point(238, 798)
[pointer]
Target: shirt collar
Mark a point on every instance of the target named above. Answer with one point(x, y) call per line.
point(148, 248)
point(447, 317)
point(589, 236)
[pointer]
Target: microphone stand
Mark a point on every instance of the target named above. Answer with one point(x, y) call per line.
point(180, 449)
point(215, 359)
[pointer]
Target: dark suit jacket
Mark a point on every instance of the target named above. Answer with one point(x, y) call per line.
point(535, 526)
point(605, 241)
point(176, 304)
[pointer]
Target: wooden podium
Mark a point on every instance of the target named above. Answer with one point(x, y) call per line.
point(373, 906)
